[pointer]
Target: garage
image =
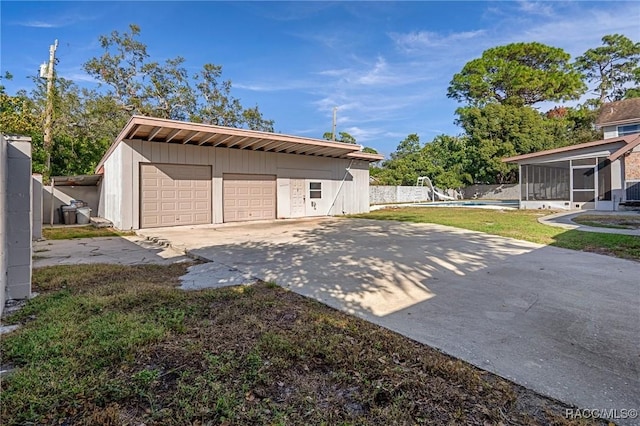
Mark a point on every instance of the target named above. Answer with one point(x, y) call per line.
point(163, 173)
point(173, 194)
point(248, 197)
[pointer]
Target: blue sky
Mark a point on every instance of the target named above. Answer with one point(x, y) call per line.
point(386, 66)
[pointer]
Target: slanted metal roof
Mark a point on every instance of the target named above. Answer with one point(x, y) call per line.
point(79, 180)
point(159, 130)
point(630, 142)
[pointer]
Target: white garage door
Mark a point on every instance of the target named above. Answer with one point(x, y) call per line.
point(249, 197)
point(172, 194)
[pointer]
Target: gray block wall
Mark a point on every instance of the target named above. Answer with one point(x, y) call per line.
point(4, 175)
point(64, 195)
point(379, 194)
point(493, 192)
point(17, 217)
point(36, 231)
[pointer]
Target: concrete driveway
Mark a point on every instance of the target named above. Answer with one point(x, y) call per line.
point(126, 250)
point(561, 322)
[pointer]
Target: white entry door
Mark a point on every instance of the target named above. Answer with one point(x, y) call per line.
point(298, 197)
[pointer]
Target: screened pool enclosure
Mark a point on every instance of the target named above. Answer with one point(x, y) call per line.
point(573, 181)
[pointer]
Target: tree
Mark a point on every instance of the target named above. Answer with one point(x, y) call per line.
point(255, 121)
point(343, 137)
point(167, 93)
point(369, 150)
point(120, 67)
point(443, 160)
point(613, 67)
point(408, 146)
point(450, 159)
point(497, 131)
point(166, 90)
point(84, 123)
point(18, 114)
point(518, 74)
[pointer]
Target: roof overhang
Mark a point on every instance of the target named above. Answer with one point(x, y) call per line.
point(159, 130)
point(79, 180)
point(629, 142)
point(617, 123)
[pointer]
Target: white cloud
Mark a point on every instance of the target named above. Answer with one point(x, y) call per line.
point(79, 77)
point(419, 40)
point(38, 24)
point(55, 22)
point(335, 72)
point(364, 134)
point(536, 8)
point(272, 86)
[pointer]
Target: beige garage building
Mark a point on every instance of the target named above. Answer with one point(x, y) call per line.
point(164, 173)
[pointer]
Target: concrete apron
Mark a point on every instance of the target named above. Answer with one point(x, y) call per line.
point(561, 322)
point(129, 250)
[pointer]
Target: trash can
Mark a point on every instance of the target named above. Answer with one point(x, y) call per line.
point(69, 215)
point(83, 215)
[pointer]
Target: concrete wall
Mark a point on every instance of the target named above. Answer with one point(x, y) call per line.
point(343, 191)
point(64, 195)
point(492, 192)
point(4, 240)
point(15, 232)
point(36, 203)
point(383, 194)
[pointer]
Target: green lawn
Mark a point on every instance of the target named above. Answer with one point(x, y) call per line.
point(112, 345)
point(67, 233)
point(520, 224)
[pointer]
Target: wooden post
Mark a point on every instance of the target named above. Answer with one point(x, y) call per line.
point(48, 120)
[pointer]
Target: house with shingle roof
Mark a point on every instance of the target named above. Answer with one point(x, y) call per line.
point(599, 175)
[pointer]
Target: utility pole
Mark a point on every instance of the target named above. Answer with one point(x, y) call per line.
point(333, 131)
point(48, 120)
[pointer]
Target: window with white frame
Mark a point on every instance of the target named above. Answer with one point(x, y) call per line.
point(628, 129)
point(315, 189)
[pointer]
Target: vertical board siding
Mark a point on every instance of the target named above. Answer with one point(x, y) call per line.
point(112, 187)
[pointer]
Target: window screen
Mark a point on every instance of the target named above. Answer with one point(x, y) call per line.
point(315, 189)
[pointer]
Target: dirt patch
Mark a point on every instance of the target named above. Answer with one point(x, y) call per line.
point(609, 221)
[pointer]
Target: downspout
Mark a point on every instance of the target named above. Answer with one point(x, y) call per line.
point(340, 188)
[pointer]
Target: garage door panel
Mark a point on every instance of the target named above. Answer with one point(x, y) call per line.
point(150, 195)
point(249, 197)
point(173, 194)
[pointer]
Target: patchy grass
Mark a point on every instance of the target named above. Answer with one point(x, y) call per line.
point(68, 233)
point(107, 344)
point(619, 221)
point(520, 224)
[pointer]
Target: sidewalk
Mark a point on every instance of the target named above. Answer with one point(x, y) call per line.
point(565, 220)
